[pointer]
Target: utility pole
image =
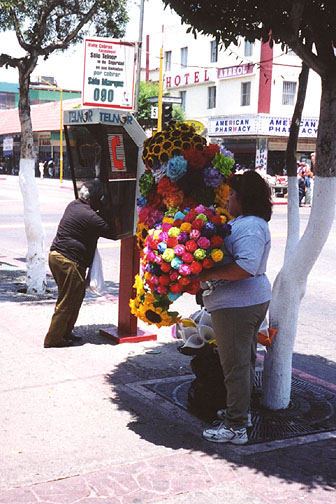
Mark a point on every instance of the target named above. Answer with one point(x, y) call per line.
point(159, 124)
point(138, 72)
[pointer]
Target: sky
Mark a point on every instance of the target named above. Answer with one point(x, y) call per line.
point(67, 67)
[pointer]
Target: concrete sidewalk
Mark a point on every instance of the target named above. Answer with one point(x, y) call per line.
point(78, 426)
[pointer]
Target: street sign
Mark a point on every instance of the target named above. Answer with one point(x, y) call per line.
point(166, 99)
point(154, 112)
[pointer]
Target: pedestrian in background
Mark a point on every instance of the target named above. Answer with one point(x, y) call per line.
point(309, 188)
point(41, 169)
point(71, 253)
point(302, 186)
point(237, 294)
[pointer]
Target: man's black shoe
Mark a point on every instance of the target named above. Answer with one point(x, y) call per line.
point(65, 343)
point(73, 337)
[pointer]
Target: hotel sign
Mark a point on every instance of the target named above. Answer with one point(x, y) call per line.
point(235, 71)
point(189, 77)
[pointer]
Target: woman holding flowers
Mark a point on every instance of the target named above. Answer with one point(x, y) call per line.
point(237, 294)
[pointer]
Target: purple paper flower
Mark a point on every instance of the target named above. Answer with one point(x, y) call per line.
point(179, 250)
point(176, 168)
point(209, 229)
point(183, 237)
point(212, 177)
point(159, 172)
point(224, 230)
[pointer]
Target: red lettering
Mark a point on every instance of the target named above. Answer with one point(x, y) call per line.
point(177, 80)
point(168, 81)
point(206, 77)
point(186, 78)
point(196, 77)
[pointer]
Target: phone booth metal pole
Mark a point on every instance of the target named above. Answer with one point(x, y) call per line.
point(107, 144)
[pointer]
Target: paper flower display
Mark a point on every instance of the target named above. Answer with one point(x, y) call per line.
point(182, 220)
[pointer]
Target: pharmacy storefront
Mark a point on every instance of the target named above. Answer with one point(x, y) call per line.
point(260, 140)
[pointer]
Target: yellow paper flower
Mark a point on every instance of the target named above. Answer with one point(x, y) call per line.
point(216, 255)
point(186, 227)
point(174, 232)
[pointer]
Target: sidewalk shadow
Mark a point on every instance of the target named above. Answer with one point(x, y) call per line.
point(311, 464)
point(13, 289)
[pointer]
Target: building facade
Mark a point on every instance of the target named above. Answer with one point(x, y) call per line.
point(244, 95)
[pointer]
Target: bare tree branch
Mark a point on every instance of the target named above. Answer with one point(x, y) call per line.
point(62, 44)
point(9, 61)
point(27, 47)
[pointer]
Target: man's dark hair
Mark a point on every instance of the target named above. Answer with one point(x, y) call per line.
point(91, 190)
point(254, 194)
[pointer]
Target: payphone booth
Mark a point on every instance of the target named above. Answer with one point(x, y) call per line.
point(107, 144)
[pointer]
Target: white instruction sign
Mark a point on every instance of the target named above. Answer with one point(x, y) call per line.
point(109, 73)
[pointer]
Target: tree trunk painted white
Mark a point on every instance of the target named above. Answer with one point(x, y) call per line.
point(35, 258)
point(290, 284)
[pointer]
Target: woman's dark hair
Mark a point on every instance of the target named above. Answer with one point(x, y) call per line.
point(253, 193)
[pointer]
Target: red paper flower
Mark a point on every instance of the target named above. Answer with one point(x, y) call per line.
point(164, 280)
point(216, 219)
point(183, 280)
point(198, 224)
point(208, 263)
point(165, 186)
point(165, 267)
point(172, 241)
point(194, 287)
point(195, 158)
point(191, 246)
point(187, 257)
point(216, 241)
point(175, 288)
point(196, 267)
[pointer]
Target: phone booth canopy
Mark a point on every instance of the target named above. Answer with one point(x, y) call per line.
point(107, 144)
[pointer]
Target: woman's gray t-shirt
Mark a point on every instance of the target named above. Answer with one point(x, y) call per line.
point(248, 246)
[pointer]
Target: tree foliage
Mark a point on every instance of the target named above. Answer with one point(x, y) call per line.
point(44, 26)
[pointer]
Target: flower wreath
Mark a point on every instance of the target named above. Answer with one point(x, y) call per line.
point(182, 219)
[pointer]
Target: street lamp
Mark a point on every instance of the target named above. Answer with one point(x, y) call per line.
point(61, 124)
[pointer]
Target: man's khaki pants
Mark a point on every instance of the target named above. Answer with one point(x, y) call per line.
point(236, 331)
point(70, 280)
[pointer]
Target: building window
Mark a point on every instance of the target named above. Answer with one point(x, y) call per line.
point(167, 61)
point(212, 97)
point(183, 95)
point(245, 94)
point(213, 51)
point(248, 49)
point(288, 93)
point(184, 57)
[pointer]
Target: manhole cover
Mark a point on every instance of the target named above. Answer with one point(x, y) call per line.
point(312, 408)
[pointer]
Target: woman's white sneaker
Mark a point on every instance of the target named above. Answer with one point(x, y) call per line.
point(221, 434)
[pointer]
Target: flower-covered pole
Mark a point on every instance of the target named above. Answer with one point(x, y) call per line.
point(182, 220)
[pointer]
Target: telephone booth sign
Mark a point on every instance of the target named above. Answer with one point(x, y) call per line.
point(107, 144)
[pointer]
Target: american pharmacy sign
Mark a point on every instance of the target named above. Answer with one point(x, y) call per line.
point(259, 125)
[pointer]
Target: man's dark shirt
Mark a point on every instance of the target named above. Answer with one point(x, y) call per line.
point(78, 232)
